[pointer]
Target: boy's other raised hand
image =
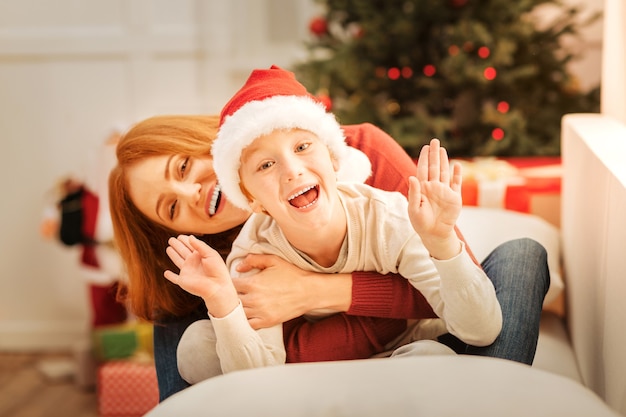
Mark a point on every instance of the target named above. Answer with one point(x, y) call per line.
point(435, 200)
point(202, 273)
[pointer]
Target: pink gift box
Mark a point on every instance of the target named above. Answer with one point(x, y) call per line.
point(126, 388)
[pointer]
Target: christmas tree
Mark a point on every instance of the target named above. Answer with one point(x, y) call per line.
point(482, 76)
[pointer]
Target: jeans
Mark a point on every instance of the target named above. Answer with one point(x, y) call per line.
point(518, 270)
point(166, 338)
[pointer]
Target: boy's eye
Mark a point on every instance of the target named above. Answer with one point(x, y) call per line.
point(302, 147)
point(173, 210)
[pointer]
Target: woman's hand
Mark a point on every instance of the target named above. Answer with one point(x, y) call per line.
point(435, 201)
point(281, 291)
point(202, 273)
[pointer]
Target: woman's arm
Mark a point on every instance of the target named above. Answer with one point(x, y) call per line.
point(274, 296)
point(339, 337)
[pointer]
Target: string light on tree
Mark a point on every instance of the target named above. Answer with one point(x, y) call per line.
point(490, 73)
point(393, 73)
point(497, 133)
point(429, 70)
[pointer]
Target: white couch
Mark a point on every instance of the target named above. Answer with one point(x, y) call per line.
point(579, 368)
point(587, 345)
point(593, 236)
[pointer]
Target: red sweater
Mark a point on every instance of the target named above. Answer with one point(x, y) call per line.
point(380, 304)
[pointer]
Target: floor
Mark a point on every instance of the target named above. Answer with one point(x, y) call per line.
point(42, 385)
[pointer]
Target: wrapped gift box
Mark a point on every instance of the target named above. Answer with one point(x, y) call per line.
point(122, 341)
point(528, 185)
point(126, 388)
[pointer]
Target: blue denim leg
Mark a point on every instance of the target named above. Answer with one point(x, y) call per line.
point(166, 338)
point(519, 272)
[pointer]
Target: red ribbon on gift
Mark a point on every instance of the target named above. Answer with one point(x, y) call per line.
point(535, 175)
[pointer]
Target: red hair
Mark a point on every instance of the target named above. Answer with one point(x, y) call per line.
point(140, 241)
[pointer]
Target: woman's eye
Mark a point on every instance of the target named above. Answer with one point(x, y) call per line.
point(173, 210)
point(183, 167)
point(266, 165)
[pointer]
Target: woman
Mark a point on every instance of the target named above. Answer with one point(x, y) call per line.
point(374, 308)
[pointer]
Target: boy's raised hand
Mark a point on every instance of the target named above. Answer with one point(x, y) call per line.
point(435, 201)
point(202, 273)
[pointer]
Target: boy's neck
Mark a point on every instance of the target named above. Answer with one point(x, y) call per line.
point(323, 244)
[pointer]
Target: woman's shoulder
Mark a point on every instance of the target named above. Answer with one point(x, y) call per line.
point(363, 135)
point(391, 165)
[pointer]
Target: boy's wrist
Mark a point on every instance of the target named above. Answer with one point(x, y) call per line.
point(221, 304)
point(444, 249)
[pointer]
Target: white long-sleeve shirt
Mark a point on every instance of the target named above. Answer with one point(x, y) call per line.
point(379, 238)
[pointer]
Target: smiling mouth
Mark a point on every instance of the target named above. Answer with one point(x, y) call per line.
point(215, 200)
point(305, 198)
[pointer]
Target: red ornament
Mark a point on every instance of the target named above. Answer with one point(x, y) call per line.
point(407, 72)
point(483, 52)
point(458, 3)
point(318, 26)
point(503, 107)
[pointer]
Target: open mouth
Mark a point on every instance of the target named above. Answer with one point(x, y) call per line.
point(215, 200)
point(305, 198)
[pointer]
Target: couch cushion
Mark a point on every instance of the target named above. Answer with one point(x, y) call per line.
point(554, 349)
point(405, 386)
point(486, 228)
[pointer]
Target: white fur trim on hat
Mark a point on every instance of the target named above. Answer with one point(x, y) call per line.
point(262, 117)
point(355, 166)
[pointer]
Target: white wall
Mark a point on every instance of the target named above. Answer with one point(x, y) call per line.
point(614, 61)
point(73, 70)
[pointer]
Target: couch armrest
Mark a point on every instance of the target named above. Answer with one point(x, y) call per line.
point(593, 227)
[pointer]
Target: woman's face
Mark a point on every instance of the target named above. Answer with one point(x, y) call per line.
point(181, 193)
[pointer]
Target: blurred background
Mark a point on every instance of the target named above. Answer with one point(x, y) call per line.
point(74, 73)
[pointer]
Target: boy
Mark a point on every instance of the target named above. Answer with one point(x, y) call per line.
point(278, 153)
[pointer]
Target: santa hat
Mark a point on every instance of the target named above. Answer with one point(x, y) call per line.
point(273, 99)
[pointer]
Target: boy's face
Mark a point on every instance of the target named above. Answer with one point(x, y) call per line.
point(291, 175)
